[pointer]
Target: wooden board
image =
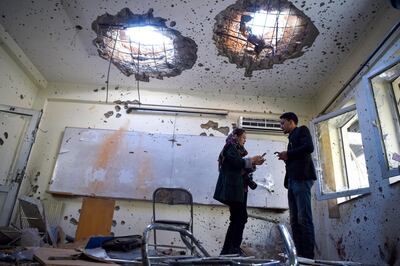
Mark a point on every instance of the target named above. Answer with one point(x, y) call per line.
point(95, 218)
point(43, 254)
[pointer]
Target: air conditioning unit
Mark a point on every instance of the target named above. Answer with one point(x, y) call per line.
point(260, 125)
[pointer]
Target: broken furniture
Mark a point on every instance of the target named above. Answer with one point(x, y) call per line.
point(9, 235)
point(66, 257)
point(95, 218)
point(201, 257)
point(32, 214)
point(171, 196)
point(290, 249)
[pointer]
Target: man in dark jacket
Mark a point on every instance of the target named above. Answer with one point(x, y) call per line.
point(299, 178)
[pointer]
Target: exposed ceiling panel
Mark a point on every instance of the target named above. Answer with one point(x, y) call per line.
point(57, 37)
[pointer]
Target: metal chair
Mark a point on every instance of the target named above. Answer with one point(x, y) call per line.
point(172, 196)
point(187, 237)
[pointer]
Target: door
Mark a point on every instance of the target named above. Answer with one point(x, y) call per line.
point(17, 133)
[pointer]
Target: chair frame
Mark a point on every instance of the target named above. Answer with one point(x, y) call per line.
point(171, 200)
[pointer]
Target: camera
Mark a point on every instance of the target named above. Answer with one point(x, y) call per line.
point(250, 182)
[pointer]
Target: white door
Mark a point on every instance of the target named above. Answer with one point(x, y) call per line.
point(17, 134)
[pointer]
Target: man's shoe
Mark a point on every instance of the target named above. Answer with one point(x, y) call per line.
point(239, 252)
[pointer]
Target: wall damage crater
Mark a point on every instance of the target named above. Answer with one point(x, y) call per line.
point(256, 34)
point(143, 45)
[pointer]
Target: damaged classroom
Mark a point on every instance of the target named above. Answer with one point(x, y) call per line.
point(115, 114)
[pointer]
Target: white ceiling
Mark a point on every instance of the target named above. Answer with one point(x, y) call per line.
point(46, 32)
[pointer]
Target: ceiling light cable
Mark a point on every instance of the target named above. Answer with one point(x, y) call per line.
point(138, 92)
point(109, 65)
point(137, 68)
point(138, 73)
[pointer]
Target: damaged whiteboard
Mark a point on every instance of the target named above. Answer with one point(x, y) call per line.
point(131, 165)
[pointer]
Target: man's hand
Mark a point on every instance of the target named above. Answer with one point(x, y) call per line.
point(282, 155)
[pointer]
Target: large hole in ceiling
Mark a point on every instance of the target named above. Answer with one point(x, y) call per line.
point(143, 45)
point(257, 34)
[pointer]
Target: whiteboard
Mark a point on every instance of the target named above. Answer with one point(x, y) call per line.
point(131, 165)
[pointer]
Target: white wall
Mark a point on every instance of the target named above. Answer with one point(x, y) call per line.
point(16, 88)
point(378, 29)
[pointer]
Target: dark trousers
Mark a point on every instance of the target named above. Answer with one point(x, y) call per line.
point(234, 234)
point(299, 197)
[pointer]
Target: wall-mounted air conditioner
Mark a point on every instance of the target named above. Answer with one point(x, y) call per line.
point(260, 125)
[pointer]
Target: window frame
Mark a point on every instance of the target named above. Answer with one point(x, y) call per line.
point(321, 195)
point(373, 112)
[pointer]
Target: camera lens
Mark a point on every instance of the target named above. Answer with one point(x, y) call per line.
point(252, 184)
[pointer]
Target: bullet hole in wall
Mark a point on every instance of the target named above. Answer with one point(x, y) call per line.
point(35, 188)
point(109, 114)
point(223, 130)
point(36, 176)
point(73, 221)
point(209, 124)
point(340, 248)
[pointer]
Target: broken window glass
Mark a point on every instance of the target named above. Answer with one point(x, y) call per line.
point(341, 162)
point(386, 92)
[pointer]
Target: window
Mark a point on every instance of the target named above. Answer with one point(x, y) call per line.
point(341, 164)
point(385, 87)
point(341, 136)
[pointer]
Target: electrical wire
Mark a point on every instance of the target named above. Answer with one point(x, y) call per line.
point(138, 73)
point(138, 92)
point(109, 65)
